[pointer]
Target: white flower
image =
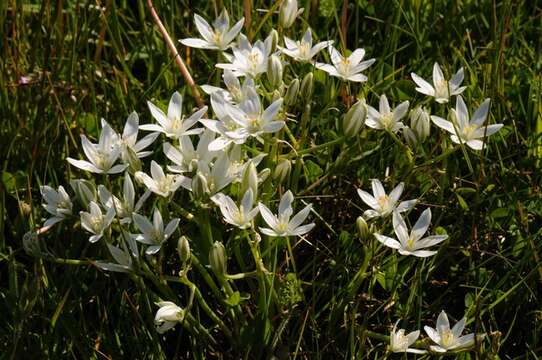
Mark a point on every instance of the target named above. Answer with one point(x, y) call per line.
point(211, 177)
point(219, 38)
point(346, 68)
point(95, 222)
point(399, 342)
point(185, 157)
point(122, 256)
point(130, 146)
point(384, 118)
point(281, 225)
point(174, 125)
point(167, 316)
point(57, 203)
point(412, 243)
point(465, 131)
point(441, 89)
point(160, 183)
point(153, 234)
point(240, 216)
point(446, 338)
point(125, 207)
point(103, 155)
point(303, 50)
point(383, 204)
point(248, 60)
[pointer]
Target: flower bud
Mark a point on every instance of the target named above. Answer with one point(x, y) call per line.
point(274, 71)
point(410, 137)
point(183, 249)
point(84, 191)
point(363, 228)
point(217, 259)
point(354, 119)
point(274, 40)
point(420, 123)
point(276, 95)
point(291, 93)
point(288, 12)
point(250, 180)
point(167, 316)
point(264, 174)
point(307, 86)
point(282, 170)
point(199, 185)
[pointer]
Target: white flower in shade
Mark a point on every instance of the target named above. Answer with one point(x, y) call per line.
point(219, 37)
point(95, 221)
point(347, 68)
point(399, 342)
point(154, 234)
point(122, 256)
point(248, 60)
point(174, 125)
point(160, 183)
point(210, 178)
point(303, 50)
point(441, 89)
point(240, 216)
point(465, 131)
point(185, 157)
point(57, 203)
point(130, 146)
point(238, 162)
point(383, 204)
point(282, 225)
point(446, 338)
point(412, 243)
point(103, 155)
point(125, 207)
point(167, 316)
point(384, 118)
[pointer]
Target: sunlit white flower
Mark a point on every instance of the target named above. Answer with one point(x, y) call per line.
point(154, 234)
point(57, 203)
point(441, 89)
point(399, 342)
point(240, 216)
point(185, 157)
point(412, 243)
point(248, 60)
point(95, 221)
point(210, 178)
point(347, 68)
point(446, 338)
point(303, 50)
point(281, 224)
point(160, 183)
point(383, 204)
point(125, 207)
point(234, 92)
point(465, 131)
point(167, 316)
point(102, 155)
point(219, 37)
point(130, 147)
point(384, 118)
point(174, 125)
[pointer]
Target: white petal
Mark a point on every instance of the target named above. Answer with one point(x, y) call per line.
point(423, 86)
point(442, 322)
point(480, 114)
point(300, 217)
point(421, 226)
point(204, 28)
point(400, 228)
point(437, 74)
point(268, 216)
point(368, 199)
point(443, 124)
point(175, 107)
point(388, 241)
point(85, 165)
point(198, 44)
point(378, 189)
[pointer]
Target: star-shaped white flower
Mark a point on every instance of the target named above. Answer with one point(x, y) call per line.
point(303, 50)
point(281, 224)
point(173, 124)
point(465, 131)
point(240, 216)
point(103, 155)
point(248, 60)
point(160, 183)
point(154, 234)
point(384, 118)
point(167, 316)
point(57, 203)
point(412, 243)
point(185, 157)
point(95, 221)
point(125, 207)
point(446, 338)
point(347, 68)
point(219, 37)
point(399, 342)
point(441, 89)
point(383, 204)
point(130, 147)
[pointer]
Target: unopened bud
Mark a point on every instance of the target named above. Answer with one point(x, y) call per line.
point(291, 93)
point(273, 39)
point(363, 228)
point(420, 123)
point(183, 249)
point(274, 71)
point(84, 191)
point(307, 86)
point(354, 119)
point(250, 180)
point(410, 137)
point(199, 185)
point(282, 170)
point(129, 156)
point(288, 12)
point(217, 259)
point(264, 174)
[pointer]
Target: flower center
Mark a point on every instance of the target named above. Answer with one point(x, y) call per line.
point(304, 50)
point(97, 224)
point(164, 184)
point(400, 341)
point(387, 121)
point(384, 203)
point(468, 130)
point(447, 338)
point(344, 66)
point(442, 89)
